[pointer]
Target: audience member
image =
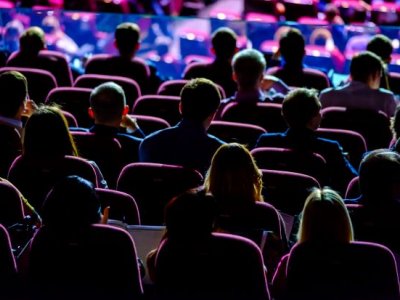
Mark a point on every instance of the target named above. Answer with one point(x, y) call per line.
point(252, 86)
point(187, 143)
point(46, 140)
point(10, 42)
point(236, 183)
point(293, 72)
point(110, 113)
point(194, 263)
point(127, 42)
point(301, 111)
point(395, 126)
point(13, 105)
point(30, 55)
point(363, 91)
point(220, 70)
point(324, 221)
point(377, 219)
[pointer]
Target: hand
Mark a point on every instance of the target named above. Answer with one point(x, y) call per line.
point(129, 123)
point(30, 108)
point(106, 213)
point(268, 81)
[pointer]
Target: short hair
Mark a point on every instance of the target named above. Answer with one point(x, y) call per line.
point(14, 91)
point(381, 45)
point(47, 136)
point(300, 106)
point(32, 40)
point(379, 172)
point(325, 218)
point(292, 46)
point(72, 202)
point(224, 42)
point(364, 65)
point(108, 102)
point(233, 177)
point(200, 98)
point(127, 37)
point(190, 215)
point(248, 65)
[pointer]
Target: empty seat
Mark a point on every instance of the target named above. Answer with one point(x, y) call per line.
point(149, 124)
point(242, 133)
point(153, 185)
point(73, 100)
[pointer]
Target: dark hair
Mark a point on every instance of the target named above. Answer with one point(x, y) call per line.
point(72, 202)
point(190, 215)
point(379, 174)
point(47, 135)
point(32, 40)
point(224, 42)
point(248, 65)
point(381, 46)
point(108, 102)
point(300, 106)
point(292, 46)
point(200, 98)
point(127, 37)
point(364, 65)
point(14, 90)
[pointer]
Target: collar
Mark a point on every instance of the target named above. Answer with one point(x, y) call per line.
point(192, 125)
point(104, 129)
point(11, 122)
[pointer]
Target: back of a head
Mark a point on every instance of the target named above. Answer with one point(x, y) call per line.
point(364, 65)
point(107, 102)
point(32, 41)
point(292, 47)
point(249, 66)
point(47, 135)
point(381, 45)
point(224, 43)
point(233, 177)
point(14, 91)
point(200, 98)
point(190, 215)
point(127, 37)
point(300, 106)
point(325, 219)
point(72, 202)
point(380, 177)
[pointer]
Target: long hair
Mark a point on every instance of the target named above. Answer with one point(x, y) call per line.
point(47, 135)
point(234, 176)
point(325, 218)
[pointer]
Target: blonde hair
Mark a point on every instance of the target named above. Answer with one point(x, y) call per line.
point(234, 176)
point(325, 218)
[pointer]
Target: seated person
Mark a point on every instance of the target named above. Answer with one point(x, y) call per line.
point(219, 71)
point(127, 42)
point(363, 91)
point(301, 111)
point(293, 72)
point(187, 144)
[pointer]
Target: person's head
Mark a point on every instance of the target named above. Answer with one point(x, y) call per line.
point(224, 43)
point(381, 45)
point(301, 109)
point(72, 202)
point(32, 41)
point(127, 38)
point(248, 69)
point(47, 135)
point(51, 24)
point(367, 67)
point(380, 177)
point(14, 91)
point(190, 215)
point(200, 99)
point(108, 104)
point(325, 218)
point(233, 177)
point(11, 34)
point(292, 47)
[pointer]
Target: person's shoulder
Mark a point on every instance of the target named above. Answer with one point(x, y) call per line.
point(385, 93)
point(273, 135)
point(215, 140)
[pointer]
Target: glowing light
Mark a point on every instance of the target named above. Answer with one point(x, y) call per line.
point(190, 36)
point(395, 43)
point(221, 16)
